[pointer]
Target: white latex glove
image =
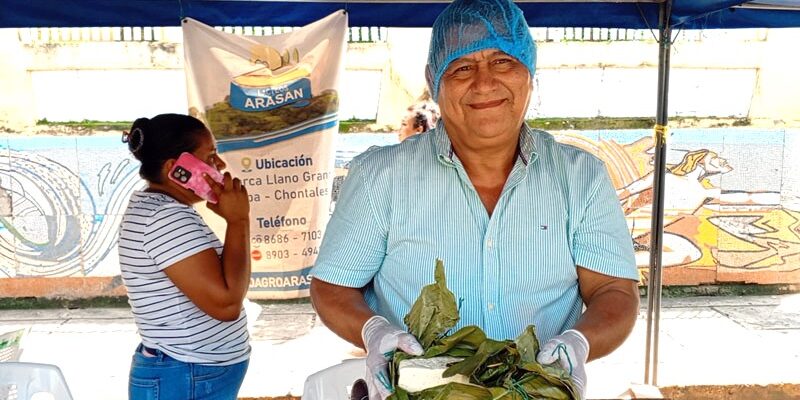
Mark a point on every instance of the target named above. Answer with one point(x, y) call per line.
point(570, 349)
point(381, 339)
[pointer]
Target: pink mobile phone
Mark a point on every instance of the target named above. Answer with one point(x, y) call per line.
point(188, 172)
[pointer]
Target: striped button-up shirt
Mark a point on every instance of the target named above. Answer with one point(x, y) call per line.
point(403, 206)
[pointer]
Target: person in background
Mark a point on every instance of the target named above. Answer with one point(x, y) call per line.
point(421, 117)
point(185, 288)
point(530, 230)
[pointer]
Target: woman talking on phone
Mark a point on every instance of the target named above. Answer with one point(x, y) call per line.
point(184, 287)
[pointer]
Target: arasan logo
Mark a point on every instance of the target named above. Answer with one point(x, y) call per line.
point(278, 79)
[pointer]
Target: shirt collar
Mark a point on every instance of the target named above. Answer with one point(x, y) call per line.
point(445, 153)
point(442, 145)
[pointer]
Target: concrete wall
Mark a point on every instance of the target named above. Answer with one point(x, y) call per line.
point(16, 101)
point(749, 73)
point(121, 81)
point(742, 74)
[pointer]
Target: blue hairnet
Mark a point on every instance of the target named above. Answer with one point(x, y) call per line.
point(467, 26)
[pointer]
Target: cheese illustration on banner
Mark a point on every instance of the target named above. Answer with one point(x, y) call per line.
point(279, 82)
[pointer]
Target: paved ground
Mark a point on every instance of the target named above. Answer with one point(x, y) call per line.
point(703, 341)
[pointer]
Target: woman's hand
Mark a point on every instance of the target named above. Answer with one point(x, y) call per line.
point(234, 203)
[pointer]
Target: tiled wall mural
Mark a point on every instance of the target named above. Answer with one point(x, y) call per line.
point(61, 200)
point(732, 207)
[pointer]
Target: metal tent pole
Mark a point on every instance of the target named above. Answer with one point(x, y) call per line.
point(657, 219)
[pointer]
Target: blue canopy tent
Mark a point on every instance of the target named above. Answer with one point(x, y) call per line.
point(686, 14)
point(664, 15)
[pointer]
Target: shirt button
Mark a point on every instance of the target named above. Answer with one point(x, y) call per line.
point(489, 243)
point(490, 306)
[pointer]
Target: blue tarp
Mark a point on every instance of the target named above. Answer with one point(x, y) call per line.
point(687, 14)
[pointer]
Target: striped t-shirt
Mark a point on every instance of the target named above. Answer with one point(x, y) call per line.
point(156, 232)
point(405, 205)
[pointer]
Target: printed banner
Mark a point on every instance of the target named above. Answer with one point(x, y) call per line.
point(272, 102)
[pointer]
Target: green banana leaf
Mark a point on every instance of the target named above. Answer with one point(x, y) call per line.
point(450, 391)
point(469, 365)
point(539, 387)
point(499, 367)
point(434, 312)
point(454, 391)
point(498, 370)
point(399, 394)
point(528, 345)
point(554, 375)
point(463, 343)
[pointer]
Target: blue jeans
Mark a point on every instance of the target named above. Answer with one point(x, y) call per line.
point(165, 378)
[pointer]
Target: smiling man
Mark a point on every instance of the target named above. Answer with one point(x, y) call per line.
point(530, 230)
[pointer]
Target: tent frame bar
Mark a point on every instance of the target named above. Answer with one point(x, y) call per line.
point(763, 6)
point(448, 1)
point(657, 213)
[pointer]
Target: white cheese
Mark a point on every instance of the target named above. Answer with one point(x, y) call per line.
point(422, 373)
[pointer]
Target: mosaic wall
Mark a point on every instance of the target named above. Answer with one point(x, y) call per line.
point(732, 206)
point(61, 200)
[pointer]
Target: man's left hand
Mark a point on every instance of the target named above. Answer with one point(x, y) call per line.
point(571, 350)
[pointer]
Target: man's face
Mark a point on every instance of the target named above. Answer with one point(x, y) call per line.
point(484, 96)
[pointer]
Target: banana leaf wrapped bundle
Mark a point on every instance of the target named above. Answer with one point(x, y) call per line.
point(497, 369)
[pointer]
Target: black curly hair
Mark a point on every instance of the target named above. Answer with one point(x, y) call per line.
point(155, 140)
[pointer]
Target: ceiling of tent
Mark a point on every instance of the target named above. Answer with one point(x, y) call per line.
point(687, 14)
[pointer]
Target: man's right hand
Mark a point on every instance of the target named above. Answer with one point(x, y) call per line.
point(381, 339)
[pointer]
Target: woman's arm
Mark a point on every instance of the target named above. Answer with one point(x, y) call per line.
point(218, 285)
